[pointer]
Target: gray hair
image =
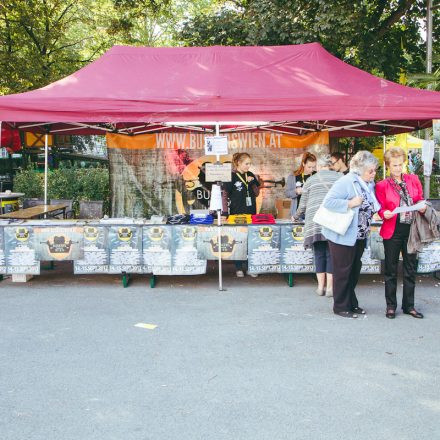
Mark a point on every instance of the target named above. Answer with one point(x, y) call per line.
point(324, 160)
point(361, 161)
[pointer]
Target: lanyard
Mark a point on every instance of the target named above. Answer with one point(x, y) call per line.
point(246, 184)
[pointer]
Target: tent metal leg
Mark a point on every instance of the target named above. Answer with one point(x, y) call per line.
point(125, 279)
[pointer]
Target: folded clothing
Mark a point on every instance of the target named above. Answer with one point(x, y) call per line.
point(239, 219)
point(178, 219)
point(201, 219)
point(262, 218)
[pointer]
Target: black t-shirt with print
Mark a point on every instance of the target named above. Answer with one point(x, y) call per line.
point(237, 193)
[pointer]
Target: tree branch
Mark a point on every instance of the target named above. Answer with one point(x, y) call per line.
point(394, 17)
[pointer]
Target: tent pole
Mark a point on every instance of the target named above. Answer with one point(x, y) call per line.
point(383, 161)
point(426, 177)
point(219, 229)
point(46, 156)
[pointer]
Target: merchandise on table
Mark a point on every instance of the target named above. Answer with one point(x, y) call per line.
point(201, 219)
point(157, 220)
point(239, 219)
point(178, 219)
point(262, 218)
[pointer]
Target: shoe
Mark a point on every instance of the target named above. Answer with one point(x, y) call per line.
point(390, 314)
point(359, 311)
point(346, 314)
point(329, 293)
point(239, 273)
point(253, 275)
point(320, 292)
point(414, 313)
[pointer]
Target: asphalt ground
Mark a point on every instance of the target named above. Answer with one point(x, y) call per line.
point(257, 361)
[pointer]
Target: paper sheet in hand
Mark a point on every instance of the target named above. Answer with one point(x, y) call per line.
point(415, 207)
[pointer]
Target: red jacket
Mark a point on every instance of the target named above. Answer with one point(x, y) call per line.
point(389, 199)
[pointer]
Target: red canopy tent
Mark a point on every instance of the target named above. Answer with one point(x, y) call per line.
point(293, 89)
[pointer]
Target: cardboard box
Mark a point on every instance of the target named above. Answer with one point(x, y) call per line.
point(283, 208)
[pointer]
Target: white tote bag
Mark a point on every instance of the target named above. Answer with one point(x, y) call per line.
point(337, 222)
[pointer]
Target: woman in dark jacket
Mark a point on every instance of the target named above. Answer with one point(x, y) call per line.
point(398, 190)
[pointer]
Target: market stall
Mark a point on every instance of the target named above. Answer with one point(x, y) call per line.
point(241, 92)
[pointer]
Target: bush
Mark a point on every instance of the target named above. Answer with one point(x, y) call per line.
point(67, 183)
point(29, 182)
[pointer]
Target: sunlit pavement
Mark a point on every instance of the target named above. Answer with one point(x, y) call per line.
point(84, 358)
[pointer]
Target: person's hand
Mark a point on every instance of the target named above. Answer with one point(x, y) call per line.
point(423, 210)
point(388, 214)
point(355, 201)
point(250, 179)
point(299, 190)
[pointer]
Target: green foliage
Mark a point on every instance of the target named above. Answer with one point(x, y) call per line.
point(381, 37)
point(67, 183)
point(29, 182)
point(42, 41)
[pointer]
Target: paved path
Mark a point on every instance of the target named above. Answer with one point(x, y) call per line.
point(259, 361)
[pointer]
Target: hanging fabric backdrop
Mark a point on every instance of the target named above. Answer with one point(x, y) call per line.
point(164, 173)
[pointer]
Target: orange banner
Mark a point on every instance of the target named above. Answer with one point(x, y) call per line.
point(196, 141)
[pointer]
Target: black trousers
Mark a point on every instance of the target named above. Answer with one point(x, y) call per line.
point(393, 247)
point(347, 266)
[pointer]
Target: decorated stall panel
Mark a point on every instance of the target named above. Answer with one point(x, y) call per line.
point(20, 250)
point(294, 257)
point(54, 243)
point(234, 242)
point(95, 250)
point(125, 248)
point(264, 254)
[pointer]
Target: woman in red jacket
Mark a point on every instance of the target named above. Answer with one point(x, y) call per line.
point(398, 190)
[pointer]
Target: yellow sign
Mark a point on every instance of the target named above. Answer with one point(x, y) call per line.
point(36, 139)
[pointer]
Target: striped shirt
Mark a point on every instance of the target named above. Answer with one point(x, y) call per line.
point(314, 191)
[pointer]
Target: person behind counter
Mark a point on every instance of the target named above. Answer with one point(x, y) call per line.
point(241, 193)
point(295, 181)
point(395, 191)
point(314, 191)
point(352, 191)
point(338, 163)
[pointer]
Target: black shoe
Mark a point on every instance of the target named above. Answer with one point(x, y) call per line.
point(359, 311)
point(346, 314)
point(414, 313)
point(390, 314)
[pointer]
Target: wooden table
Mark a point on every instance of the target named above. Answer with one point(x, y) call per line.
point(36, 211)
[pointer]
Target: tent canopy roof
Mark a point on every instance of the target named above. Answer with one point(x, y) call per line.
point(294, 89)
